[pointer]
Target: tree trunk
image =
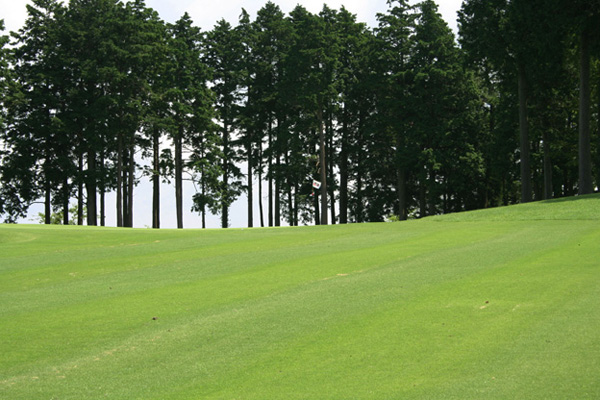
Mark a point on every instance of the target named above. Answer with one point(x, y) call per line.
point(290, 205)
point(524, 137)
point(80, 191)
point(598, 137)
point(260, 194)
point(179, 177)
point(323, 167)
point(330, 158)
point(585, 152)
point(250, 189)
point(401, 192)
point(432, 193)
point(65, 205)
point(270, 174)
point(125, 188)
point(156, 179)
point(90, 186)
point(277, 144)
point(225, 166)
point(344, 171)
point(359, 199)
point(131, 182)
point(316, 206)
point(120, 180)
point(548, 192)
point(47, 203)
point(422, 194)
point(203, 205)
point(296, 189)
point(277, 194)
point(400, 180)
point(102, 190)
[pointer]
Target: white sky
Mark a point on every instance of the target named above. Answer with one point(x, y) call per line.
point(205, 14)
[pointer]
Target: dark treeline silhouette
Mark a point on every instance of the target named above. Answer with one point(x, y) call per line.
point(336, 122)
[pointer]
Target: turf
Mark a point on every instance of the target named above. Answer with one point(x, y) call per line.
point(498, 304)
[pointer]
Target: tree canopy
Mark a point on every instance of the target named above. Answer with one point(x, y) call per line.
point(328, 120)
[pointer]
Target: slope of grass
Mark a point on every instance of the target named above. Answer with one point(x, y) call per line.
point(492, 304)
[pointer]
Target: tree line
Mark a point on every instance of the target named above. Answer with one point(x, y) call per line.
point(337, 122)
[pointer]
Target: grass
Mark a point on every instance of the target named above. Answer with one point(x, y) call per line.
point(492, 304)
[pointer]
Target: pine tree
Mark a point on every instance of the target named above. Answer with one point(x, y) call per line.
point(5, 75)
point(311, 87)
point(354, 42)
point(273, 98)
point(439, 101)
point(37, 109)
point(394, 35)
point(187, 86)
point(223, 55)
point(143, 91)
point(250, 120)
point(582, 19)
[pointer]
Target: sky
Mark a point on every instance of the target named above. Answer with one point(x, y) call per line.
point(205, 15)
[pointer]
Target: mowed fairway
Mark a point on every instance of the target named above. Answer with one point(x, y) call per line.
point(497, 304)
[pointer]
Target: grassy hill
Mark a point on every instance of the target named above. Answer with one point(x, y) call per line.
point(499, 304)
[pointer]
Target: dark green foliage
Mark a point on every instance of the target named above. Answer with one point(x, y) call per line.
point(224, 55)
point(399, 119)
point(38, 149)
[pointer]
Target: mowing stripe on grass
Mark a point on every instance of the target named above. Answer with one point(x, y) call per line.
point(447, 307)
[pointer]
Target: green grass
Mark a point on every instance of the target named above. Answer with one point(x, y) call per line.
point(498, 304)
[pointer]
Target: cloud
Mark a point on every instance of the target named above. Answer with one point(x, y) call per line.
point(206, 15)
point(14, 13)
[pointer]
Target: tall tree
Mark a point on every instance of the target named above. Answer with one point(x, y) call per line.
point(187, 85)
point(90, 35)
point(5, 75)
point(36, 107)
point(395, 41)
point(496, 32)
point(313, 85)
point(354, 42)
point(16, 161)
point(271, 93)
point(250, 120)
point(440, 101)
point(223, 55)
point(145, 80)
point(583, 20)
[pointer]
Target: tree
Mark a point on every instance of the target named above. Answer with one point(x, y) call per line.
point(14, 187)
point(583, 18)
point(5, 75)
point(206, 171)
point(223, 55)
point(186, 95)
point(250, 121)
point(138, 89)
point(271, 94)
point(441, 106)
point(394, 48)
point(490, 31)
point(353, 71)
point(311, 76)
point(141, 100)
point(40, 147)
point(90, 35)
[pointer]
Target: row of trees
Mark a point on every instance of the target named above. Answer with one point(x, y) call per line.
point(398, 119)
